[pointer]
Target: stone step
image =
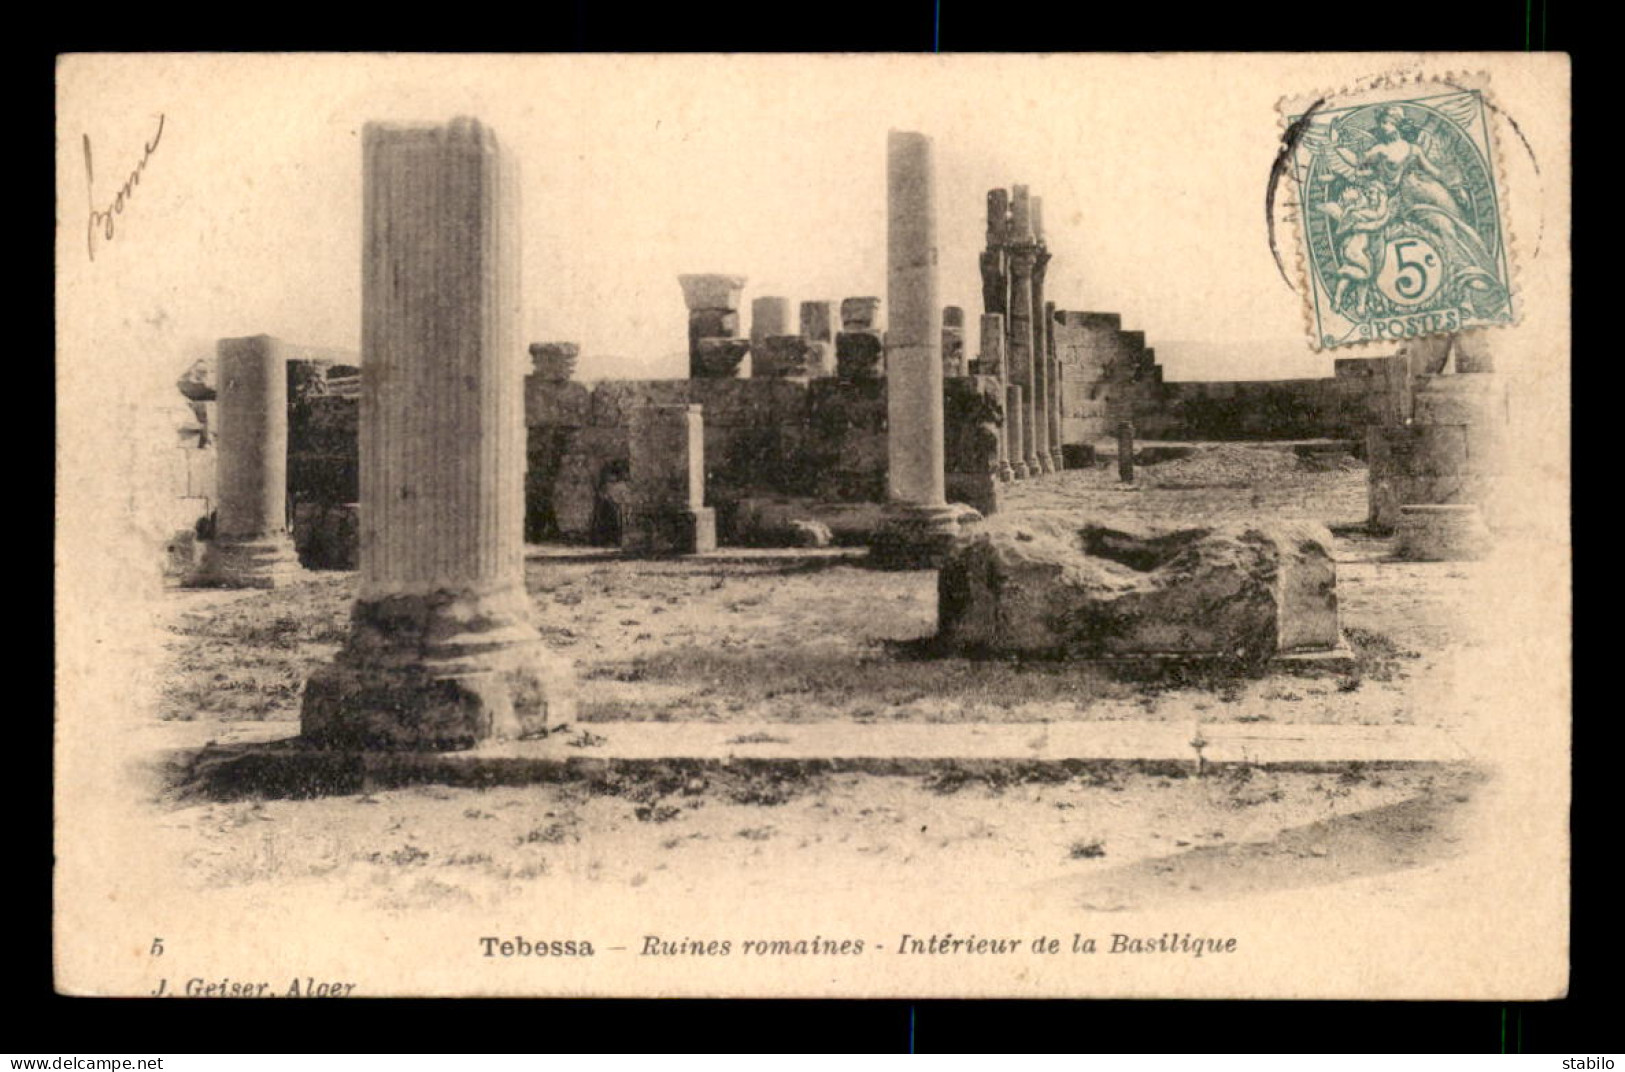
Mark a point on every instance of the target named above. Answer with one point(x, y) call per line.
point(288, 767)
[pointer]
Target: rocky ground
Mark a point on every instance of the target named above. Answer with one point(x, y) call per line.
point(785, 637)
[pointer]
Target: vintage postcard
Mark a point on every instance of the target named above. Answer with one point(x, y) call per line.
point(720, 525)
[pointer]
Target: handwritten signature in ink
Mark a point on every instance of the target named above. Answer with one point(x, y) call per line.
point(103, 220)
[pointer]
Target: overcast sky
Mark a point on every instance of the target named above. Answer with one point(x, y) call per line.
point(1152, 170)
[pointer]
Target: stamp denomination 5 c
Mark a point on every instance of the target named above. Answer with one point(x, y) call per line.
point(1400, 219)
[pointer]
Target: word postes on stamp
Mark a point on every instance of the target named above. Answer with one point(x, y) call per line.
point(1401, 223)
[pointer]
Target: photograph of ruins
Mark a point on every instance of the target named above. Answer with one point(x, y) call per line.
point(948, 581)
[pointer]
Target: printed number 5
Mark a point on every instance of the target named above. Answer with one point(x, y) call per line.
point(1412, 280)
point(1410, 272)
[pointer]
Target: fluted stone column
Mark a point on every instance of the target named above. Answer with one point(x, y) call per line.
point(441, 653)
point(1015, 413)
point(1023, 258)
point(992, 363)
point(994, 261)
point(252, 547)
point(920, 526)
point(1057, 386)
point(1041, 372)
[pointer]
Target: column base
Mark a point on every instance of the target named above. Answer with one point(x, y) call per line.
point(268, 561)
point(1035, 467)
point(438, 672)
point(1057, 459)
point(1006, 472)
point(669, 532)
point(911, 536)
point(1046, 464)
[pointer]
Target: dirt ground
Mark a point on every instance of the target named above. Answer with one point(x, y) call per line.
point(754, 637)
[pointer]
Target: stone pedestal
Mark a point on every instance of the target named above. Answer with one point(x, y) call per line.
point(441, 653)
point(973, 408)
point(252, 546)
point(714, 347)
point(920, 526)
point(1125, 452)
point(667, 514)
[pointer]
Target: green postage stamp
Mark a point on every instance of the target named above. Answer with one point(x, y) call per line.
point(1399, 212)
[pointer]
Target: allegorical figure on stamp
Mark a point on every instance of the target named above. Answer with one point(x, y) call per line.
point(1408, 220)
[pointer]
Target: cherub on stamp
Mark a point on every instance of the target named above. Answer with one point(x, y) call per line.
point(1400, 219)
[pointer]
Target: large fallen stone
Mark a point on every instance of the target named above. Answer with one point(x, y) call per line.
point(1044, 584)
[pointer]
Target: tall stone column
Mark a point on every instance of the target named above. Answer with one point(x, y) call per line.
point(252, 547)
point(1057, 386)
point(1041, 385)
point(1023, 258)
point(992, 363)
point(1015, 413)
point(920, 526)
point(994, 261)
point(441, 653)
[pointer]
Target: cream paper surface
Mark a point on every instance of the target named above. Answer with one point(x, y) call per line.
point(245, 219)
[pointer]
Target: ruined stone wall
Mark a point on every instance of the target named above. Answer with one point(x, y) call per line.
point(1338, 407)
point(820, 438)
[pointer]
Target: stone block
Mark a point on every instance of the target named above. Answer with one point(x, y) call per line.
point(712, 324)
point(557, 403)
point(554, 361)
point(859, 314)
point(664, 531)
point(328, 536)
point(980, 491)
point(1047, 585)
point(1458, 399)
point(818, 321)
point(834, 406)
point(860, 355)
point(1441, 533)
point(667, 455)
point(712, 291)
point(717, 358)
point(1078, 455)
point(614, 400)
point(784, 357)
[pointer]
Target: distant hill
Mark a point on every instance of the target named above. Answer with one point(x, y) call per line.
point(1258, 359)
